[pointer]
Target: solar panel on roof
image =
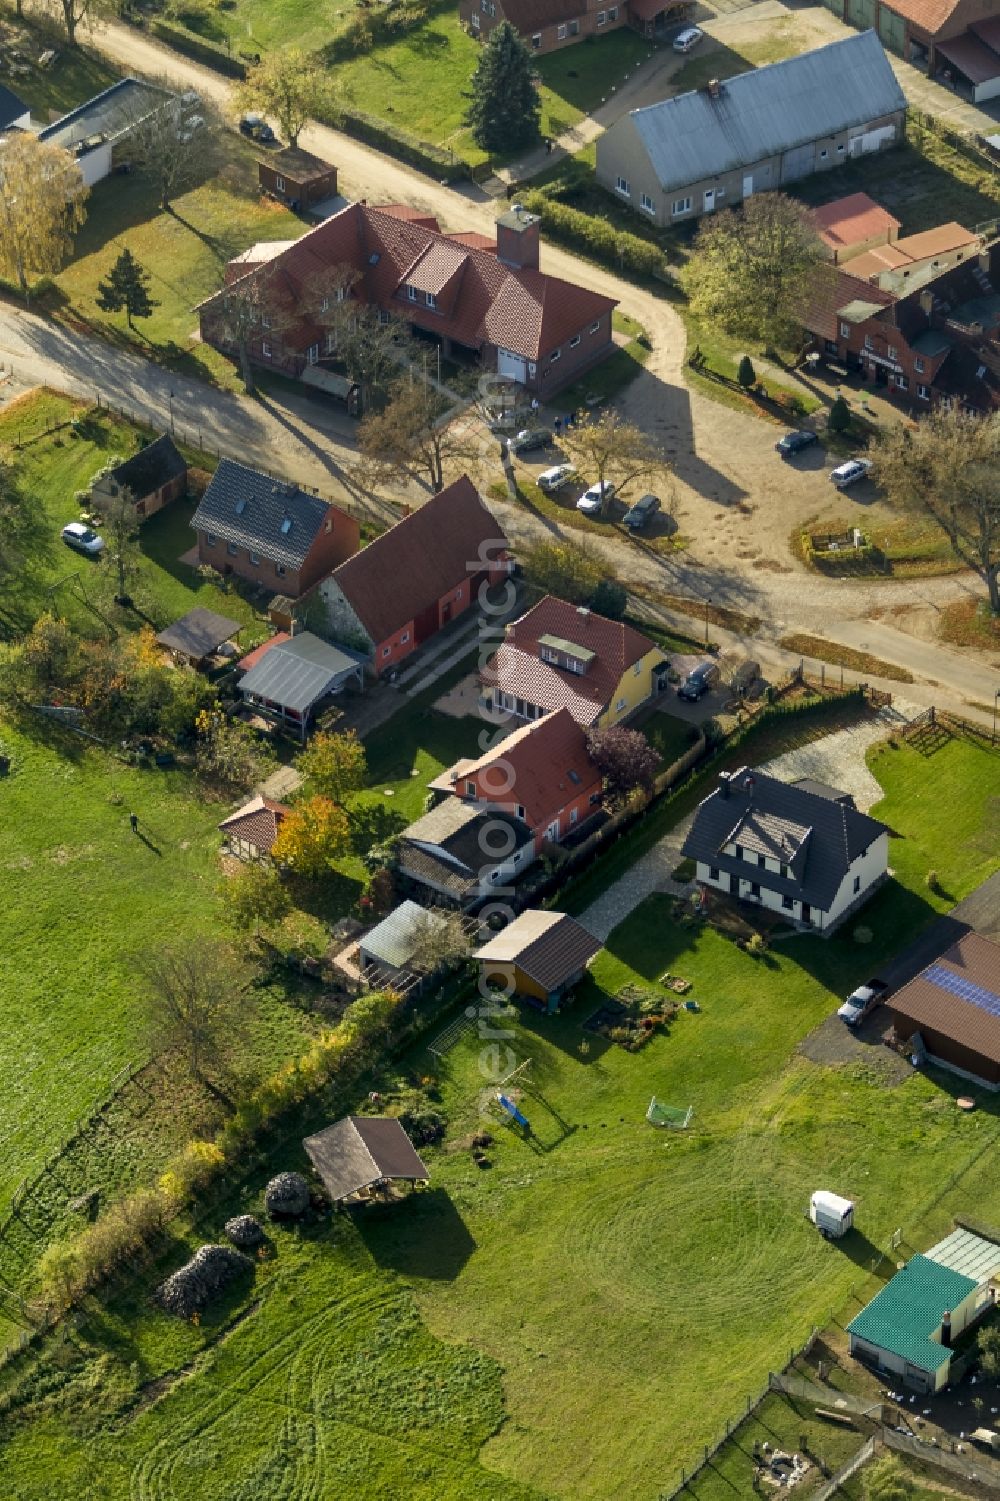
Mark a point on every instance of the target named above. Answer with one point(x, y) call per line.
point(965, 990)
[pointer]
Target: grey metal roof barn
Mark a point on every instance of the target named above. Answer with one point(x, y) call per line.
point(297, 672)
point(253, 510)
point(111, 114)
point(397, 938)
point(362, 1150)
point(968, 1253)
point(768, 111)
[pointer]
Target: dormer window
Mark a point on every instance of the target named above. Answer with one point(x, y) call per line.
point(241, 505)
point(286, 526)
point(431, 300)
point(411, 293)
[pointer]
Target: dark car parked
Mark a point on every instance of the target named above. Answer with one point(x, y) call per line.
point(699, 681)
point(257, 128)
point(529, 438)
point(793, 443)
point(642, 512)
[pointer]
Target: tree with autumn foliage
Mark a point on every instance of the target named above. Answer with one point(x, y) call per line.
point(312, 836)
point(334, 764)
point(625, 759)
point(253, 896)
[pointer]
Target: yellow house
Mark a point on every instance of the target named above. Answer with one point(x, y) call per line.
point(560, 656)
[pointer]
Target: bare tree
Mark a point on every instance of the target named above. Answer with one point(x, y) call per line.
point(948, 470)
point(247, 309)
point(177, 145)
point(411, 435)
point(197, 1001)
point(616, 452)
point(439, 939)
point(41, 204)
point(72, 13)
point(121, 522)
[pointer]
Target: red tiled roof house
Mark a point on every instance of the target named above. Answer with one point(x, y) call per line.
point(251, 831)
point(479, 299)
point(561, 656)
point(541, 773)
point(548, 25)
point(419, 575)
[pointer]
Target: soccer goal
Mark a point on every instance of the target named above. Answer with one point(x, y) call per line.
point(677, 1116)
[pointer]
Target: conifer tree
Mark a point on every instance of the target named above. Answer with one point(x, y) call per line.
point(504, 109)
point(127, 287)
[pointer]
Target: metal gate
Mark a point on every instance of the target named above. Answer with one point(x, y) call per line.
point(798, 162)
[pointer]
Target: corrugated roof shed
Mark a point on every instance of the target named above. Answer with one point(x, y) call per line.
point(395, 940)
point(198, 633)
point(903, 1316)
point(767, 111)
point(297, 673)
point(972, 1255)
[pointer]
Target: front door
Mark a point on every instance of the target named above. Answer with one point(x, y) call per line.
point(806, 912)
point(708, 200)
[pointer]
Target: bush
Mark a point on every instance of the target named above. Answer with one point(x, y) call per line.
point(198, 47)
point(595, 237)
point(839, 419)
point(746, 375)
point(196, 1166)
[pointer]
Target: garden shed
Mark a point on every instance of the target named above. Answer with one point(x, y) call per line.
point(198, 634)
point(540, 955)
point(363, 1152)
point(289, 679)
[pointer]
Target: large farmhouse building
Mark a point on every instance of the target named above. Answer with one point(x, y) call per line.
point(716, 146)
point(422, 573)
point(550, 25)
point(480, 299)
point(800, 849)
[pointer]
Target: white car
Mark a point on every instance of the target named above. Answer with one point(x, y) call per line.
point(553, 479)
point(83, 538)
point(862, 1001)
point(690, 37)
point(851, 472)
point(593, 501)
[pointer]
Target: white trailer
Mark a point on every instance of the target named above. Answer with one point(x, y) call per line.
point(832, 1215)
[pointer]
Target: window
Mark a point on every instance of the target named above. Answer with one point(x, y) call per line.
point(574, 28)
point(595, 328)
point(474, 23)
point(519, 809)
point(784, 871)
point(574, 341)
point(636, 669)
point(536, 40)
point(411, 293)
point(265, 349)
point(312, 354)
point(279, 183)
point(646, 204)
point(788, 903)
point(754, 889)
point(857, 884)
point(595, 798)
point(713, 872)
point(918, 365)
point(279, 569)
point(255, 559)
point(324, 305)
point(892, 352)
point(470, 789)
point(841, 149)
point(555, 355)
point(681, 206)
point(869, 344)
point(232, 549)
point(620, 705)
point(331, 343)
point(386, 650)
point(845, 330)
point(574, 814)
point(560, 33)
point(210, 539)
point(404, 638)
point(902, 383)
point(383, 317)
point(623, 188)
point(613, 13)
point(265, 321)
point(431, 300)
point(923, 393)
point(823, 155)
point(484, 6)
point(602, 18)
point(738, 849)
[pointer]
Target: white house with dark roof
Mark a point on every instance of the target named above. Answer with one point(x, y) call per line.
point(800, 849)
point(269, 531)
point(713, 147)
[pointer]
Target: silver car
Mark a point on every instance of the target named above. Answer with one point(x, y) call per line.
point(83, 539)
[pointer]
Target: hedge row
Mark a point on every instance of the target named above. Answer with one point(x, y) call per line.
point(426, 157)
point(595, 237)
point(199, 47)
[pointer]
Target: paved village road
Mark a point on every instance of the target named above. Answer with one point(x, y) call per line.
point(735, 499)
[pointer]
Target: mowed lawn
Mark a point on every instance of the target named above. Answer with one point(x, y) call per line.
point(185, 251)
point(598, 1302)
point(51, 462)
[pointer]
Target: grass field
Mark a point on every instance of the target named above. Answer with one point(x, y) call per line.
point(185, 251)
point(53, 463)
point(578, 1320)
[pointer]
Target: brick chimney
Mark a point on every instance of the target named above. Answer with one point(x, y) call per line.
point(946, 1329)
point(714, 88)
point(518, 238)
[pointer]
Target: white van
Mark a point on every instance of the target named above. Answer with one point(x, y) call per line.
point(832, 1215)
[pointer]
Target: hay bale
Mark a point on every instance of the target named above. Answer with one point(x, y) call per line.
point(244, 1230)
point(286, 1196)
point(192, 1286)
